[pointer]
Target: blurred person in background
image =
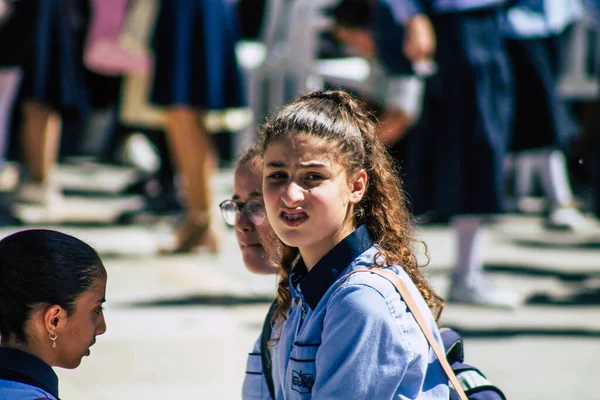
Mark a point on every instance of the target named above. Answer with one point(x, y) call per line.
point(52, 287)
point(368, 28)
point(10, 79)
point(195, 70)
point(37, 37)
point(357, 24)
point(536, 33)
point(467, 112)
point(592, 16)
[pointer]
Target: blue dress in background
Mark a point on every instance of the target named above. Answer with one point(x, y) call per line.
point(194, 49)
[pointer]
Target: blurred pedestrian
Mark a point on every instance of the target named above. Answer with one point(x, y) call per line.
point(40, 37)
point(543, 127)
point(10, 79)
point(195, 70)
point(458, 152)
point(368, 30)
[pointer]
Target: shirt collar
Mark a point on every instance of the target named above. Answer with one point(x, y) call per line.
point(328, 269)
point(31, 366)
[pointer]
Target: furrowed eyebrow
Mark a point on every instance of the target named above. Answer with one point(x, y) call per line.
point(312, 165)
point(280, 164)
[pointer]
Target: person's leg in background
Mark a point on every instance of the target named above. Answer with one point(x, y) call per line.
point(194, 158)
point(52, 87)
point(473, 123)
point(9, 84)
point(564, 213)
point(189, 80)
point(40, 139)
point(10, 79)
point(543, 127)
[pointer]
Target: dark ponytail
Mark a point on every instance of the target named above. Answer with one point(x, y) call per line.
point(41, 266)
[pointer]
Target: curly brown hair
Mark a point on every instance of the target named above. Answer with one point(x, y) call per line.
point(350, 132)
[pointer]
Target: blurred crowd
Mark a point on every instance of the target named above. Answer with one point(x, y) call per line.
point(482, 102)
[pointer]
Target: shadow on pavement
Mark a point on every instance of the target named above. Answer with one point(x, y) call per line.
point(587, 244)
point(540, 272)
point(116, 255)
point(583, 297)
point(202, 300)
point(519, 332)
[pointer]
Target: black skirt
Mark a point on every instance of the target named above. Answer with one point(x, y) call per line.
point(38, 37)
point(467, 113)
point(194, 49)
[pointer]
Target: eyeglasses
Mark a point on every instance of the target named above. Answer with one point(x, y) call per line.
point(254, 209)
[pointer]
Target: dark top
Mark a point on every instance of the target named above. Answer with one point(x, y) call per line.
point(18, 366)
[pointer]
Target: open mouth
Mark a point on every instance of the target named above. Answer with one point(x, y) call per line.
point(87, 353)
point(293, 219)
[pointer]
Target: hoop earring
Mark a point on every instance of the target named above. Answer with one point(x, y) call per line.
point(53, 339)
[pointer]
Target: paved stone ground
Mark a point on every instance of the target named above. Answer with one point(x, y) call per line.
point(181, 326)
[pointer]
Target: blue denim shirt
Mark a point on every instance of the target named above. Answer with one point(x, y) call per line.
point(30, 368)
point(352, 338)
point(529, 19)
point(405, 9)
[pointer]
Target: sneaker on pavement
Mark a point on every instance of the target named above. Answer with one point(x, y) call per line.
point(479, 290)
point(565, 218)
point(44, 194)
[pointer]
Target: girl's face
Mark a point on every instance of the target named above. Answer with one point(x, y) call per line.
point(247, 184)
point(77, 332)
point(308, 196)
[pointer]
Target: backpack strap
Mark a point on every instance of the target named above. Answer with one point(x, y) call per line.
point(14, 376)
point(414, 309)
point(265, 353)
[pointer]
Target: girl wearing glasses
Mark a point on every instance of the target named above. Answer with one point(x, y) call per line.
point(245, 211)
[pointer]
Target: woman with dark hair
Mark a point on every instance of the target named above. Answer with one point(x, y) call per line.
point(52, 287)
